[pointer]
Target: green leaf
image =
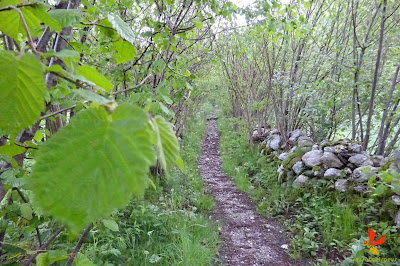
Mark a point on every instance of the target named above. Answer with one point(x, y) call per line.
point(41, 14)
point(11, 149)
point(307, 4)
point(92, 75)
point(22, 90)
point(11, 23)
point(82, 260)
point(166, 143)
point(112, 225)
point(38, 136)
point(158, 65)
point(180, 164)
point(42, 259)
point(199, 24)
point(26, 211)
point(106, 156)
point(10, 179)
point(121, 27)
point(66, 17)
point(381, 189)
point(94, 97)
point(125, 52)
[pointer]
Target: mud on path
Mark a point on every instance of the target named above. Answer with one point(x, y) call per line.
point(248, 238)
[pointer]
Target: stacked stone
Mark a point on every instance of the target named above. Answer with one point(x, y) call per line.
point(343, 161)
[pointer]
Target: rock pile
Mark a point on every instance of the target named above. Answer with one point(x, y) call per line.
point(342, 161)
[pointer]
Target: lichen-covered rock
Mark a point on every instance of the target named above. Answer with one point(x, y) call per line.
point(342, 185)
point(396, 199)
point(283, 156)
point(304, 141)
point(312, 158)
point(300, 181)
point(298, 167)
point(332, 173)
point(379, 160)
point(363, 173)
point(329, 160)
point(355, 148)
point(275, 141)
point(294, 135)
point(360, 160)
point(329, 149)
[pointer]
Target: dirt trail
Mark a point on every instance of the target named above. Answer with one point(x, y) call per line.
point(248, 238)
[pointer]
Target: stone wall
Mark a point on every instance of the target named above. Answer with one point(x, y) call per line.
point(344, 162)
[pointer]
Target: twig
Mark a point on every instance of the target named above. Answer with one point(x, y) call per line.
point(18, 6)
point(28, 34)
point(60, 111)
point(78, 245)
point(140, 84)
point(43, 247)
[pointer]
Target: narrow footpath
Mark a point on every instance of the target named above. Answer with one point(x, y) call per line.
point(248, 238)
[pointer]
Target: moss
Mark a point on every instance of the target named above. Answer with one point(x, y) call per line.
point(297, 153)
point(316, 168)
point(387, 165)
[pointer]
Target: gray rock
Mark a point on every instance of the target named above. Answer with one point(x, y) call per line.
point(342, 185)
point(355, 148)
point(275, 142)
point(332, 173)
point(329, 160)
point(294, 135)
point(283, 185)
point(396, 156)
point(283, 156)
point(360, 188)
point(348, 171)
point(397, 219)
point(362, 174)
point(312, 158)
point(300, 181)
point(329, 149)
point(290, 175)
point(396, 199)
point(379, 160)
point(298, 167)
point(360, 160)
point(304, 141)
point(323, 143)
point(309, 173)
point(319, 173)
point(314, 147)
point(280, 170)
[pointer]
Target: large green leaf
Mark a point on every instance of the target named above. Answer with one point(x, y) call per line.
point(94, 76)
point(66, 17)
point(166, 142)
point(125, 52)
point(121, 27)
point(22, 89)
point(93, 165)
point(11, 23)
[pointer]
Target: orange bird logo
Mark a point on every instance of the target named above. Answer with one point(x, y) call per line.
point(371, 243)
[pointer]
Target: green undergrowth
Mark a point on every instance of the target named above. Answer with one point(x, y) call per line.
point(170, 224)
point(326, 227)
